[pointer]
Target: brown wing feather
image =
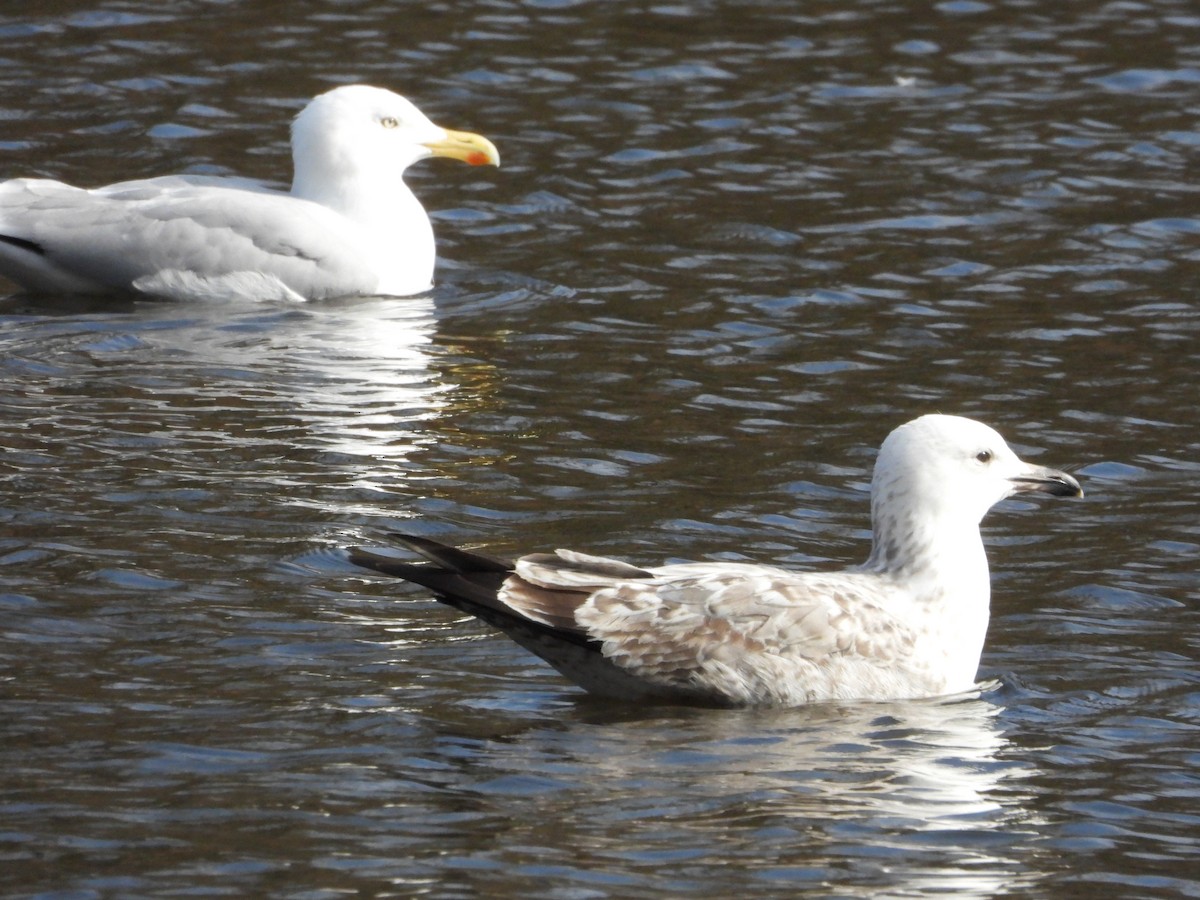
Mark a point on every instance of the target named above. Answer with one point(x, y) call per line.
point(727, 625)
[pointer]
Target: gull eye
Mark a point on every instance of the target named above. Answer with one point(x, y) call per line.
point(984, 456)
point(389, 122)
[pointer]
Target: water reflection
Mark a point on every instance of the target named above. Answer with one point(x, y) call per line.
point(202, 420)
point(352, 379)
point(913, 798)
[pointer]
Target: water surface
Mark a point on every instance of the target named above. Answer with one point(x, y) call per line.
point(732, 245)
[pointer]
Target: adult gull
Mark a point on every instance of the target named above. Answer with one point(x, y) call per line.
point(349, 225)
point(908, 623)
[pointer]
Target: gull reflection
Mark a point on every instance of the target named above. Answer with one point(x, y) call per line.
point(913, 797)
point(326, 403)
point(368, 385)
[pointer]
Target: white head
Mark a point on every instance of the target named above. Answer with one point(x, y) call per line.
point(937, 476)
point(362, 135)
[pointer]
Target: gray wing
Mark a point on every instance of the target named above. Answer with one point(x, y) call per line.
point(114, 236)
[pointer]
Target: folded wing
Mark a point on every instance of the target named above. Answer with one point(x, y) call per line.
point(711, 633)
point(138, 235)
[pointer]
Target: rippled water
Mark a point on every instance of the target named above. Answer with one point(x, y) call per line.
point(731, 246)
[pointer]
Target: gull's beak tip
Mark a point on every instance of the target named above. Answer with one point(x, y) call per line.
point(1047, 481)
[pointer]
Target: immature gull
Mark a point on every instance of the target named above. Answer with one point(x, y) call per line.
point(350, 225)
point(909, 622)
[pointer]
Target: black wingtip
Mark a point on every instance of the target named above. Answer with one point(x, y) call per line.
point(451, 558)
point(23, 243)
point(455, 576)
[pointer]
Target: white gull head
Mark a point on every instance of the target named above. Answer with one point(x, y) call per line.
point(365, 137)
point(935, 479)
point(350, 148)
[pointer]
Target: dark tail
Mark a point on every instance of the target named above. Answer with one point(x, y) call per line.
point(469, 582)
point(453, 574)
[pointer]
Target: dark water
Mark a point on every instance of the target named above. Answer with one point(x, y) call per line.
point(731, 246)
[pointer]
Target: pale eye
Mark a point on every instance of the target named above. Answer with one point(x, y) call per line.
point(984, 456)
point(389, 122)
